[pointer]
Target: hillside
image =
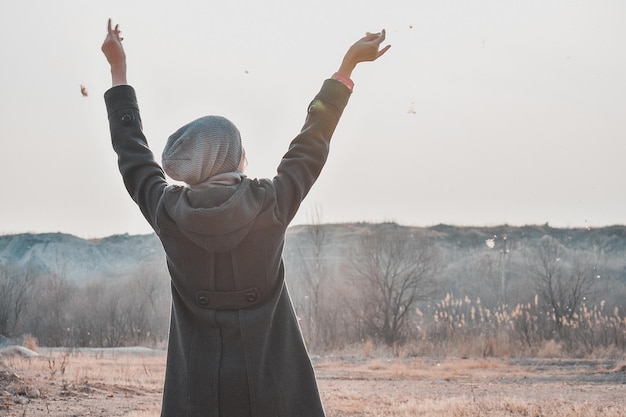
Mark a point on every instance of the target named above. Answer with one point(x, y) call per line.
point(114, 291)
point(91, 259)
point(79, 259)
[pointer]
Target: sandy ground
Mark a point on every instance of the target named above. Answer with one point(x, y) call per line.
point(125, 382)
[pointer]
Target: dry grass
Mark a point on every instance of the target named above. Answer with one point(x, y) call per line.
point(466, 407)
point(464, 327)
point(127, 384)
point(460, 388)
point(419, 369)
point(64, 382)
point(110, 367)
point(150, 412)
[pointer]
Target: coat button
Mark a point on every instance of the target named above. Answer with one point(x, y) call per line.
point(251, 297)
point(127, 119)
point(316, 106)
point(203, 300)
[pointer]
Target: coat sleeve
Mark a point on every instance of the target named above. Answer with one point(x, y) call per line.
point(143, 177)
point(302, 164)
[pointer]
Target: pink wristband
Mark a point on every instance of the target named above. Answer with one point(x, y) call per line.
point(344, 80)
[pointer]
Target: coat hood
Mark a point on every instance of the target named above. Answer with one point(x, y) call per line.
point(216, 218)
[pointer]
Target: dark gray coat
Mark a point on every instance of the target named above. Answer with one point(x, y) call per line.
point(235, 347)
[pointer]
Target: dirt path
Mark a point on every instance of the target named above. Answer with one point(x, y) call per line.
point(124, 383)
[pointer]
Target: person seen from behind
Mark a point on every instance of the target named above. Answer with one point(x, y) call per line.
point(235, 348)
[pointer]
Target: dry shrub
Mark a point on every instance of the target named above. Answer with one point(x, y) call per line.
point(610, 353)
point(550, 349)
point(30, 342)
point(150, 412)
point(378, 364)
point(486, 347)
point(466, 346)
point(367, 348)
point(620, 367)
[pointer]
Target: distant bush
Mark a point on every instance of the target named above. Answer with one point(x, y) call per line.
point(463, 327)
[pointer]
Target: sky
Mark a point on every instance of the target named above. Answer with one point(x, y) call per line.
point(482, 113)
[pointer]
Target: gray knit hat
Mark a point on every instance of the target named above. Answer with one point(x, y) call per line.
point(206, 147)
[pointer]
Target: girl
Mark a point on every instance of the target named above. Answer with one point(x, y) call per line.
point(235, 348)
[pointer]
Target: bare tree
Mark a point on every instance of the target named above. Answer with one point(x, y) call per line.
point(52, 321)
point(144, 304)
point(15, 291)
point(314, 275)
point(563, 279)
point(123, 311)
point(156, 289)
point(392, 269)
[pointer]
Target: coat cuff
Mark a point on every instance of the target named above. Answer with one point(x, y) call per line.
point(119, 97)
point(336, 93)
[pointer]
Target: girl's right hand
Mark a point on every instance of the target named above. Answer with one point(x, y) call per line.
point(112, 46)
